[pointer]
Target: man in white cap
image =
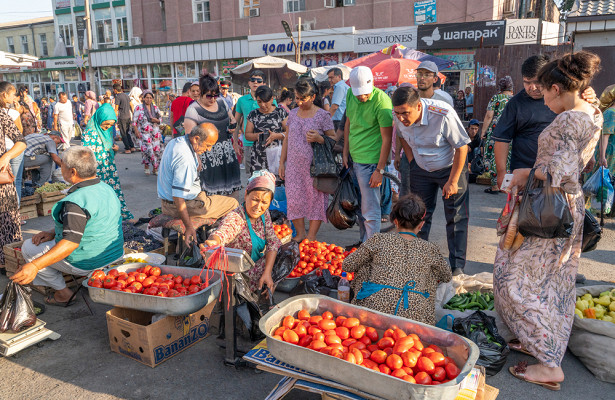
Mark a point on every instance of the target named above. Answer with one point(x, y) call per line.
point(367, 139)
point(426, 78)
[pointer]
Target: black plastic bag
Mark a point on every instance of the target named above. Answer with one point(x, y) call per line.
point(336, 214)
point(191, 257)
point(277, 217)
point(544, 211)
point(493, 348)
point(349, 199)
point(314, 284)
point(592, 232)
point(285, 261)
point(16, 308)
point(323, 160)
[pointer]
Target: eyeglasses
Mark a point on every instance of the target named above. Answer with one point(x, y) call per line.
point(424, 74)
point(212, 96)
point(257, 80)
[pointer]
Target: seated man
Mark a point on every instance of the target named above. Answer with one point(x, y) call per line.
point(179, 186)
point(42, 151)
point(87, 235)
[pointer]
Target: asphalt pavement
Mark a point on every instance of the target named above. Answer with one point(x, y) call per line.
point(80, 365)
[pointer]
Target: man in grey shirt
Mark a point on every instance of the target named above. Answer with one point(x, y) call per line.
point(426, 79)
point(122, 110)
point(436, 144)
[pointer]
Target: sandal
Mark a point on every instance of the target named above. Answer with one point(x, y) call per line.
point(127, 152)
point(50, 300)
point(518, 371)
point(384, 219)
point(491, 191)
point(517, 346)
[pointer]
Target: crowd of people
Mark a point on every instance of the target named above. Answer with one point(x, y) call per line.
point(550, 128)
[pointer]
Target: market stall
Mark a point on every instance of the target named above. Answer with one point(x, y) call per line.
point(280, 72)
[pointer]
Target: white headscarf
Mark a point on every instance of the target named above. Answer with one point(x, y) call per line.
point(134, 94)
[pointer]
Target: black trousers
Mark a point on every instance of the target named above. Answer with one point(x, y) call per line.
point(125, 132)
point(427, 185)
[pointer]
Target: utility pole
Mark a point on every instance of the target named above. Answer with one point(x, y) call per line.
point(88, 29)
point(299, 42)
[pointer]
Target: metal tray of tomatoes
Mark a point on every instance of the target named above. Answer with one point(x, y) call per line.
point(463, 351)
point(160, 305)
point(238, 260)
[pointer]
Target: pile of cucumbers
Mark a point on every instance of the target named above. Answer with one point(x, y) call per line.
point(470, 301)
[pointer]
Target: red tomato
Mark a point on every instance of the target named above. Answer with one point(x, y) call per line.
point(350, 358)
point(121, 284)
point(357, 332)
point(451, 370)
point(426, 351)
point(134, 273)
point(388, 350)
point(303, 315)
point(351, 322)
point(288, 321)
point(394, 361)
point(388, 333)
point(357, 345)
point(141, 277)
point(319, 336)
point(371, 333)
point(113, 273)
point(339, 321)
point(384, 369)
point(312, 330)
point(409, 359)
point(193, 289)
point(146, 269)
point(378, 356)
point(147, 282)
point(369, 363)
point(178, 280)
point(151, 291)
point(130, 279)
point(437, 359)
point(439, 374)
point(290, 336)
point(195, 280)
point(418, 345)
point(315, 319)
point(425, 365)
point(98, 274)
point(409, 378)
point(95, 283)
point(300, 330)
point(326, 324)
point(137, 285)
point(318, 345)
point(365, 340)
point(122, 276)
point(372, 347)
point(327, 315)
point(398, 334)
point(399, 373)
point(436, 348)
point(358, 356)
point(155, 271)
point(422, 378)
point(332, 339)
point(173, 293)
point(348, 342)
point(342, 332)
point(447, 360)
point(305, 341)
point(385, 342)
point(280, 330)
point(403, 345)
point(116, 287)
point(108, 283)
point(127, 290)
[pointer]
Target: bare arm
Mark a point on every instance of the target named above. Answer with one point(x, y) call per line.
point(332, 109)
point(500, 150)
point(459, 161)
point(56, 159)
point(250, 134)
point(55, 122)
point(190, 234)
point(346, 152)
point(487, 122)
point(283, 155)
point(18, 124)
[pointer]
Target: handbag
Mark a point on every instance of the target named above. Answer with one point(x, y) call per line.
point(544, 211)
point(6, 176)
point(323, 161)
point(592, 232)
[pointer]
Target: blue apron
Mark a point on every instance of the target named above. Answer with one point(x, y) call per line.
point(368, 288)
point(258, 244)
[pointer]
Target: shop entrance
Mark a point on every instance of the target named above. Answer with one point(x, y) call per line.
point(453, 80)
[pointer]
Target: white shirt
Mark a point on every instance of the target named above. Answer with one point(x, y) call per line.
point(64, 111)
point(440, 94)
point(435, 136)
point(14, 114)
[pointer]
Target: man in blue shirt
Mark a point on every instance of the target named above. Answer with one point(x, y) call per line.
point(338, 100)
point(179, 186)
point(469, 103)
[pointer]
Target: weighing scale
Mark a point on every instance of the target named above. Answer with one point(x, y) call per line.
point(11, 342)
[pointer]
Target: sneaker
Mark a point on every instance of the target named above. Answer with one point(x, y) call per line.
point(457, 271)
point(146, 170)
point(241, 166)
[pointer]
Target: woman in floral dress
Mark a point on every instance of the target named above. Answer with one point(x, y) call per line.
point(306, 124)
point(535, 285)
point(146, 119)
point(98, 136)
point(494, 111)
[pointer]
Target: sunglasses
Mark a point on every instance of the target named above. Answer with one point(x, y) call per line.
point(212, 96)
point(257, 80)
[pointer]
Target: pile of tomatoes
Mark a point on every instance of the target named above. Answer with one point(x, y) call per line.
point(396, 353)
point(319, 256)
point(147, 280)
point(282, 231)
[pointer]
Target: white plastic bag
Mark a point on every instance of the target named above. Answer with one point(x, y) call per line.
point(273, 158)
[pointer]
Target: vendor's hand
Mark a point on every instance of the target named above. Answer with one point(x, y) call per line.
point(375, 180)
point(519, 179)
point(189, 236)
point(42, 237)
point(282, 171)
point(450, 188)
point(4, 163)
point(397, 162)
point(266, 280)
point(25, 274)
point(210, 243)
point(314, 137)
point(589, 95)
point(273, 136)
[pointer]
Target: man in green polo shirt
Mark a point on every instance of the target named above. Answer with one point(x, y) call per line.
point(244, 106)
point(367, 139)
point(87, 235)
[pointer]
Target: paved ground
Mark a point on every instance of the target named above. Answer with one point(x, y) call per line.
point(80, 364)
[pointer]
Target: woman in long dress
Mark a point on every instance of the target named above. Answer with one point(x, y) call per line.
point(307, 124)
point(146, 119)
point(98, 136)
point(135, 100)
point(534, 286)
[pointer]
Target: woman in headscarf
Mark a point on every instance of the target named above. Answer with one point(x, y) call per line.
point(249, 228)
point(135, 100)
point(29, 112)
point(494, 111)
point(98, 136)
point(147, 123)
point(91, 105)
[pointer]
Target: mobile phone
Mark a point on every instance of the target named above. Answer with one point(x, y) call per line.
point(506, 182)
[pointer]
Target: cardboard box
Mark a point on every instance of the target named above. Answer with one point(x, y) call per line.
point(132, 334)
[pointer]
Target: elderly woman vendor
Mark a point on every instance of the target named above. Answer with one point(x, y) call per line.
point(87, 235)
point(249, 228)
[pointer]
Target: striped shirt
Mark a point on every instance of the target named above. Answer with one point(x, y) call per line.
point(73, 217)
point(37, 144)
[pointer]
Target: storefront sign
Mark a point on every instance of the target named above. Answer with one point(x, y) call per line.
point(228, 65)
point(425, 12)
point(64, 63)
point(463, 59)
point(313, 47)
point(371, 40)
point(62, 4)
point(521, 31)
point(80, 25)
point(312, 42)
point(460, 35)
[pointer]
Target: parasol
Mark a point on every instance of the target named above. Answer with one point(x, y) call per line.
point(280, 72)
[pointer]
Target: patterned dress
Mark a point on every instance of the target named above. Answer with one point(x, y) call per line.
point(389, 259)
point(234, 233)
point(496, 104)
point(535, 286)
point(10, 228)
point(105, 168)
point(151, 135)
point(303, 201)
point(263, 123)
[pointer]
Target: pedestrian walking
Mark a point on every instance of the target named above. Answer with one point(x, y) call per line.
point(146, 120)
point(8, 99)
point(28, 111)
point(225, 95)
point(437, 149)
point(307, 124)
point(122, 110)
point(426, 78)
point(460, 104)
point(63, 119)
point(178, 110)
point(287, 97)
point(338, 100)
point(91, 105)
point(469, 103)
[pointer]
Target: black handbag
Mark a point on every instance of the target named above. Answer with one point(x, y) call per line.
point(323, 161)
point(544, 211)
point(592, 232)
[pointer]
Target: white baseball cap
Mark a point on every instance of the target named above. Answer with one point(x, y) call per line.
point(361, 81)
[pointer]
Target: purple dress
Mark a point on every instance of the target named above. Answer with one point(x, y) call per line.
point(303, 200)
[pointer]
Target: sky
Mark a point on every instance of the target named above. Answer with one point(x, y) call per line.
point(17, 10)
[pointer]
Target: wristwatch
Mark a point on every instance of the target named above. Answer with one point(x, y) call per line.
point(381, 171)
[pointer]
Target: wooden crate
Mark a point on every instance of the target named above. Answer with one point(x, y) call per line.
point(27, 212)
point(48, 200)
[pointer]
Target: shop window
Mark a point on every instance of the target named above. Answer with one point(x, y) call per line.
point(162, 71)
point(122, 31)
point(129, 73)
point(250, 8)
point(42, 37)
point(191, 70)
point(10, 44)
point(201, 10)
point(66, 33)
point(294, 5)
point(110, 73)
point(25, 49)
point(349, 3)
point(104, 33)
point(71, 75)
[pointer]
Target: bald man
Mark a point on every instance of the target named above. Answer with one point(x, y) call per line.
point(179, 186)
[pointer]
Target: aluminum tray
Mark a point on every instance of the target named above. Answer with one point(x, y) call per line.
point(463, 351)
point(288, 284)
point(161, 305)
point(238, 260)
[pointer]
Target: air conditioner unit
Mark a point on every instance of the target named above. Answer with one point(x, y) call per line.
point(135, 41)
point(255, 12)
point(329, 3)
point(509, 7)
